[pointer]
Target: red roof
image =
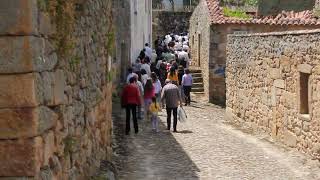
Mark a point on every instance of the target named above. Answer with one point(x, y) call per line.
point(284, 18)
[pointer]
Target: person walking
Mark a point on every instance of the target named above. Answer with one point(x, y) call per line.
point(187, 82)
point(149, 92)
point(170, 96)
point(180, 75)
point(130, 99)
point(155, 109)
point(173, 76)
point(157, 85)
point(141, 90)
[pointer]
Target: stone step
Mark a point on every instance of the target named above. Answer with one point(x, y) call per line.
point(198, 93)
point(196, 75)
point(197, 90)
point(197, 79)
point(195, 71)
point(197, 85)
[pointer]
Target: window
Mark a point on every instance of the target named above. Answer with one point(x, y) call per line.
point(304, 93)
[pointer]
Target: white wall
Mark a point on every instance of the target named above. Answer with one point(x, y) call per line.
point(141, 26)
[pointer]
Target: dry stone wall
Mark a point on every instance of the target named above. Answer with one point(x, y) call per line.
point(267, 87)
point(55, 96)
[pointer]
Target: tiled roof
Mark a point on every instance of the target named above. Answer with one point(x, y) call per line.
point(284, 18)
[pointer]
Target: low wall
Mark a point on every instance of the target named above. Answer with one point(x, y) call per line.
point(55, 88)
point(273, 83)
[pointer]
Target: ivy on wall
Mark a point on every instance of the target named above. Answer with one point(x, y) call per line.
point(62, 14)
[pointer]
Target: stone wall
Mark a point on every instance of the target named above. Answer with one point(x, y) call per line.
point(273, 85)
point(55, 88)
point(217, 63)
point(199, 32)
point(165, 22)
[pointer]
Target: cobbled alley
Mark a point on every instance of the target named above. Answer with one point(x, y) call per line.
point(205, 147)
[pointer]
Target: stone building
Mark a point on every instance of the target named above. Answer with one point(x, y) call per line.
point(133, 27)
point(55, 88)
point(273, 85)
point(209, 28)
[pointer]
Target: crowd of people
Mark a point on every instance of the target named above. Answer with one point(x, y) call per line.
point(159, 78)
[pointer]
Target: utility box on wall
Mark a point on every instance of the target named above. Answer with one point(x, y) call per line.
point(272, 7)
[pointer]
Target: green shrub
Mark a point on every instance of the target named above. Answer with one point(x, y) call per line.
point(235, 13)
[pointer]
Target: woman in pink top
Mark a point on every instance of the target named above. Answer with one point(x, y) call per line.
point(149, 93)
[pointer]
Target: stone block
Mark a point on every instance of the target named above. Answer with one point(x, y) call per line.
point(59, 86)
point(290, 139)
point(229, 114)
point(18, 17)
point(24, 54)
point(275, 73)
point(32, 90)
point(305, 68)
point(22, 158)
point(25, 122)
point(18, 91)
point(45, 24)
point(49, 147)
point(279, 83)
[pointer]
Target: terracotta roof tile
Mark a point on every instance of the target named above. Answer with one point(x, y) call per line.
point(284, 18)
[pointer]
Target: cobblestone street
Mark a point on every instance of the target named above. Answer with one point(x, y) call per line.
point(204, 148)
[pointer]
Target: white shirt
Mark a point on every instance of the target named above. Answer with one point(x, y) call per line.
point(146, 67)
point(168, 39)
point(185, 47)
point(141, 89)
point(154, 57)
point(131, 75)
point(178, 46)
point(148, 52)
point(183, 54)
point(157, 87)
point(144, 78)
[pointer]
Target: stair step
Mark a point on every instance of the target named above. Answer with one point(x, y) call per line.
point(195, 70)
point(198, 93)
point(198, 80)
point(197, 90)
point(197, 85)
point(196, 74)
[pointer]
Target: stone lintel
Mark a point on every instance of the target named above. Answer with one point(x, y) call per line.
point(305, 68)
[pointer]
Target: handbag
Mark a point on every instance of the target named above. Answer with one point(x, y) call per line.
point(182, 115)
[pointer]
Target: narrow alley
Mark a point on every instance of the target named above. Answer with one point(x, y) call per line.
point(204, 148)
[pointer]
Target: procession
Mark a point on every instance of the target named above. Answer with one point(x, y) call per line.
point(159, 79)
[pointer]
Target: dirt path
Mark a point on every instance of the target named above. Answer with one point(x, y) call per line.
point(205, 148)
